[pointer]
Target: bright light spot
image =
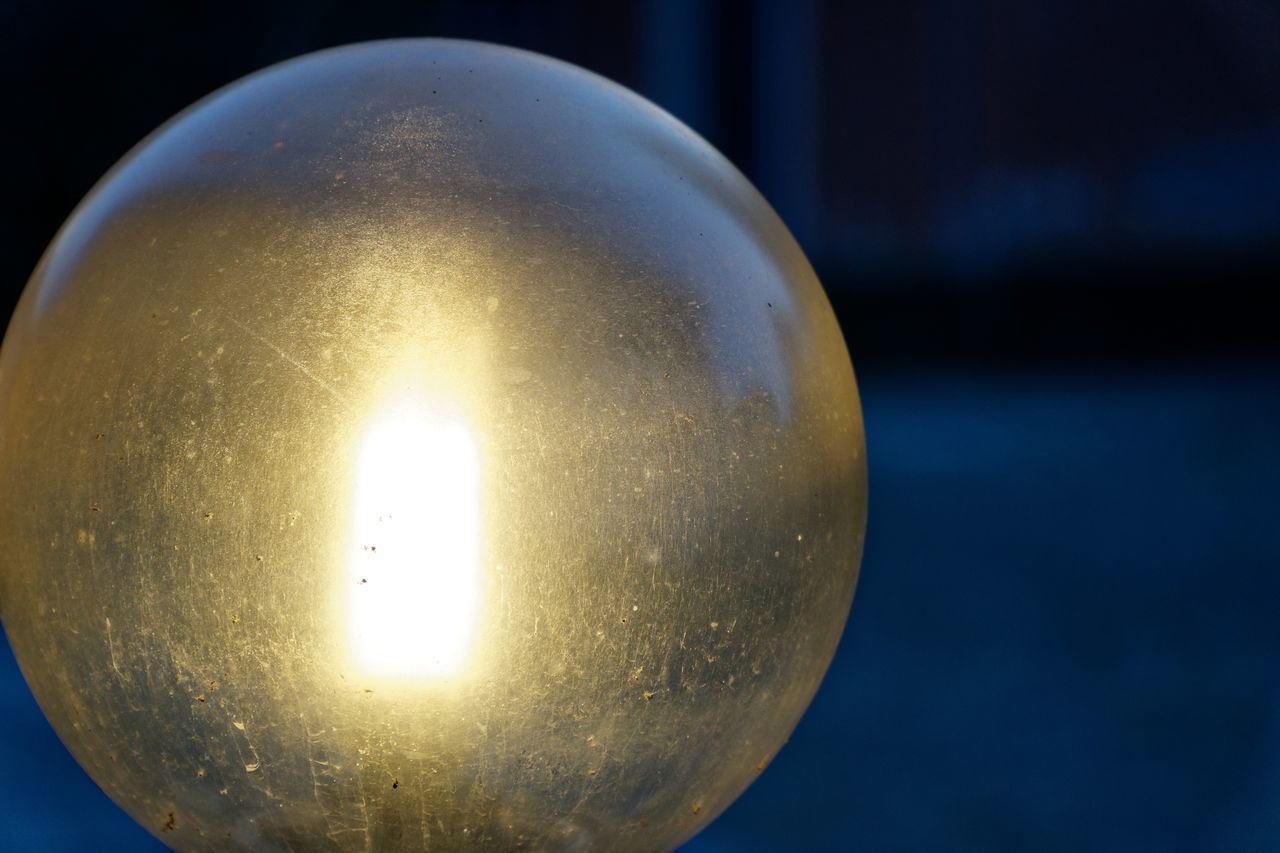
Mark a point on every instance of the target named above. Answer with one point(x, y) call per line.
point(414, 577)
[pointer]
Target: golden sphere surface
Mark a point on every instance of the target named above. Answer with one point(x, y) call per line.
point(426, 445)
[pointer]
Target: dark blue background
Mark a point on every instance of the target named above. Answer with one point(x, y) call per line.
point(1048, 228)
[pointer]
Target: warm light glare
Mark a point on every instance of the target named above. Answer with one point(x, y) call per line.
point(413, 575)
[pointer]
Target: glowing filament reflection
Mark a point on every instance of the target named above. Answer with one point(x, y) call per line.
point(414, 571)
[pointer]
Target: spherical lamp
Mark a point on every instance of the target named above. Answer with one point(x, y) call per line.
point(426, 445)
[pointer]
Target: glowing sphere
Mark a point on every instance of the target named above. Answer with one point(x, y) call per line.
point(426, 445)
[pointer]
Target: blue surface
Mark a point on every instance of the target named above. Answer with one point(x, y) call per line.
point(1064, 637)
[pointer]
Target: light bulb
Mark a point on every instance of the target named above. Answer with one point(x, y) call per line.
point(426, 445)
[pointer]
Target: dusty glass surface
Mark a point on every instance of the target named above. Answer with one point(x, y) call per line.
point(426, 445)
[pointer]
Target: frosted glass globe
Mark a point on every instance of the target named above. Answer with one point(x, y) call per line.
point(426, 445)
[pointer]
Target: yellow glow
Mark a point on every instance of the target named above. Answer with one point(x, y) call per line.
point(414, 571)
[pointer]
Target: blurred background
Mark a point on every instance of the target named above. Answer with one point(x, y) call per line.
point(1048, 228)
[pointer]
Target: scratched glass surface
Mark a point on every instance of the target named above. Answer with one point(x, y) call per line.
point(426, 445)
